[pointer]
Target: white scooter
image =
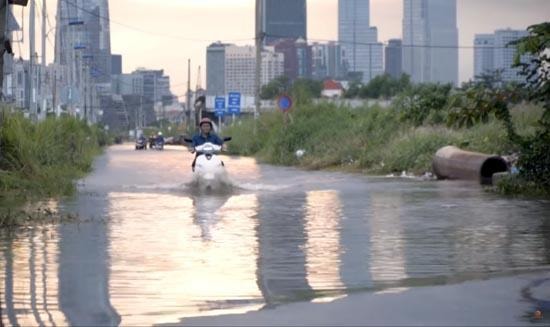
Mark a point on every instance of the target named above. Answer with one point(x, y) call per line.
point(209, 173)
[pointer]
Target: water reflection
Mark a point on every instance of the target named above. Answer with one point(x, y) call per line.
point(387, 259)
point(322, 233)
point(187, 257)
point(155, 254)
point(281, 263)
point(29, 284)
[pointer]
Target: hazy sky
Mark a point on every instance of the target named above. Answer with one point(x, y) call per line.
point(163, 34)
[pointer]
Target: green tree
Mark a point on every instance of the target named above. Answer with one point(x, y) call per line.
point(274, 88)
point(534, 160)
point(421, 101)
point(303, 90)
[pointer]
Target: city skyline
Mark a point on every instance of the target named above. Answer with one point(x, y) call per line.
point(155, 43)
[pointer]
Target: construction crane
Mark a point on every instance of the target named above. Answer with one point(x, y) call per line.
point(199, 81)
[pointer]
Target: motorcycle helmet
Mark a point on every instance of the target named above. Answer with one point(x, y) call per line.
point(206, 120)
point(159, 133)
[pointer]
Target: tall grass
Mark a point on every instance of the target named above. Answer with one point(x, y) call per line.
point(370, 139)
point(43, 159)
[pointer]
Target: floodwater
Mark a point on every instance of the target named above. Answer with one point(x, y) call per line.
point(150, 249)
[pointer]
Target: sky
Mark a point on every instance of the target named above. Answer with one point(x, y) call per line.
point(164, 34)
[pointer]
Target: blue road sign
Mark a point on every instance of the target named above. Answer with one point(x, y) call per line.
point(284, 102)
point(219, 103)
point(234, 103)
point(219, 106)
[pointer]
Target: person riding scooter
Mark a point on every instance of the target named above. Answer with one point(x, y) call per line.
point(159, 141)
point(205, 135)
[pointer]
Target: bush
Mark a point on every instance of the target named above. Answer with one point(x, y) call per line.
point(46, 157)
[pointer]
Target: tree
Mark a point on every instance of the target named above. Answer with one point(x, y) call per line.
point(274, 88)
point(534, 160)
point(420, 101)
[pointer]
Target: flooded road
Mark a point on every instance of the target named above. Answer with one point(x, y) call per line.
point(149, 249)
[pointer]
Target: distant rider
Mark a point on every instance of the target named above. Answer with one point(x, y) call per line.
point(205, 135)
point(160, 139)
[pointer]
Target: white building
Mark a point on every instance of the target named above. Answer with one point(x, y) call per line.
point(492, 53)
point(504, 54)
point(484, 54)
point(240, 68)
point(430, 41)
point(362, 51)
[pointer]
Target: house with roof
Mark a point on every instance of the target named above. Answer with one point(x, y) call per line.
point(332, 89)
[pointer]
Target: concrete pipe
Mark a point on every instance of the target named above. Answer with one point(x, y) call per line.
point(451, 162)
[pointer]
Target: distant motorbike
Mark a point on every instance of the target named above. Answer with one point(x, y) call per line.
point(209, 172)
point(159, 145)
point(141, 144)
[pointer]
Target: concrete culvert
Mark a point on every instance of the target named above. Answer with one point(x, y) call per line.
point(451, 162)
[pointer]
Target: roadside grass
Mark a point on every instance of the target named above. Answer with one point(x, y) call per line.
point(369, 139)
point(42, 160)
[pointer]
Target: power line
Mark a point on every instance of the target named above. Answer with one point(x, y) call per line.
point(387, 43)
point(108, 19)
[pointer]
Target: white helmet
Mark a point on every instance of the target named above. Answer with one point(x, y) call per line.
point(160, 133)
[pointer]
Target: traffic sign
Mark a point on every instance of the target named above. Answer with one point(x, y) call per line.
point(284, 102)
point(234, 102)
point(219, 103)
point(219, 106)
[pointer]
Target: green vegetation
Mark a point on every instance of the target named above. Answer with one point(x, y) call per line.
point(302, 90)
point(369, 139)
point(383, 86)
point(486, 116)
point(44, 159)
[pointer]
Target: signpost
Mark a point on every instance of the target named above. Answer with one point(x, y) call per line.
point(284, 102)
point(219, 106)
point(234, 104)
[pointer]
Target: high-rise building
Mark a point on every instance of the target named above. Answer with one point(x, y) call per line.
point(240, 68)
point(116, 64)
point(150, 84)
point(484, 54)
point(492, 53)
point(83, 38)
point(430, 41)
point(284, 19)
point(394, 58)
point(327, 61)
point(215, 69)
point(504, 54)
point(362, 51)
point(83, 45)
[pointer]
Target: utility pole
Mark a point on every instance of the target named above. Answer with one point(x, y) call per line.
point(188, 99)
point(32, 94)
point(43, 71)
point(259, 41)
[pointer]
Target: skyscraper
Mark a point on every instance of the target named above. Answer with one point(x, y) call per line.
point(116, 64)
point(484, 54)
point(492, 53)
point(430, 41)
point(215, 68)
point(240, 67)
point(284, 19)
point(394, 58)
point(362, 52)
point(83, 41)
point(327, 61)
